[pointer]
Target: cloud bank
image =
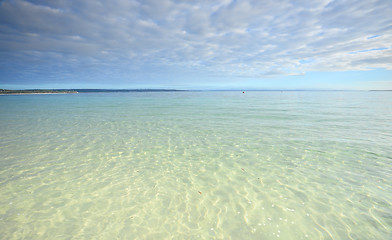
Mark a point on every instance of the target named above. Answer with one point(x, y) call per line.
point(145, 39)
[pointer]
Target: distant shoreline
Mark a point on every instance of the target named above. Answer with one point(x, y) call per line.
point(35, 91)
point(71, 91)
point(66, 91)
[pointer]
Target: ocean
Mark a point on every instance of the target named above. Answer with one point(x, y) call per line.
point(196, 165)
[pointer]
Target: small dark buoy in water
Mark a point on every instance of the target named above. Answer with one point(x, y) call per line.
point(243, 92)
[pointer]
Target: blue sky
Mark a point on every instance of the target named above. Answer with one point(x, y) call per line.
point(227, 44)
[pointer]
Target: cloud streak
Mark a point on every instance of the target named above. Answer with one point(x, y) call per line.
point(124, 39)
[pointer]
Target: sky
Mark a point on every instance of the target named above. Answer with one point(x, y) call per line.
point(204, 44)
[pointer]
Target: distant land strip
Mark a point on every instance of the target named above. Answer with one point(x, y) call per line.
point(35, 91)
point(64, 91)
point(124, 90)
point(54, 91)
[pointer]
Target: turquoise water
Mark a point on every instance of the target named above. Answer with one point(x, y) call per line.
point(196, 165)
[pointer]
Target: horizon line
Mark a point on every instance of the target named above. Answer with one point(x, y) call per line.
point(188, 90)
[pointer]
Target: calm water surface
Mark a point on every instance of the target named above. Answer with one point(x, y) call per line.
point(196, 165)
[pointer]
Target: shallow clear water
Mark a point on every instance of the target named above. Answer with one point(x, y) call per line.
point(196, 165)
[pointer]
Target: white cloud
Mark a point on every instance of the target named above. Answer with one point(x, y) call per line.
point(229, 38)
